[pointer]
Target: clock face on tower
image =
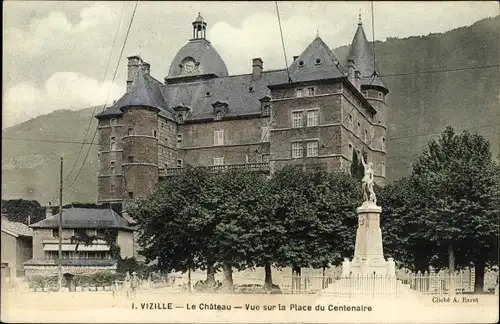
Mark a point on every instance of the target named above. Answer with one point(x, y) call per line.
point(189, 67)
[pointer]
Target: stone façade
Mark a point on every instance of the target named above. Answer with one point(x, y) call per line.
point(202, 116)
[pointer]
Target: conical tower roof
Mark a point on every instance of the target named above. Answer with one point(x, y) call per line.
point(361, 52)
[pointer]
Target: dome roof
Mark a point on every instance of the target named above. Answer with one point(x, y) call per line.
point(197, 57)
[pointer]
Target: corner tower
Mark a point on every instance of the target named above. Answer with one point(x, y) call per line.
point(375, 91)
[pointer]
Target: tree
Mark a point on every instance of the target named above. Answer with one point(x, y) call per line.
point(449, 205)
point(317, 212)
point(20, 210)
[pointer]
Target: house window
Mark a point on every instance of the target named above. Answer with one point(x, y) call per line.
point(259, 158)
point(350, 149)
point(219, 138)
point(180, 118)
point(312, 118)
point(112, 187)
point(55, 232)
point(383, 169)
point(312, 148)
point(112, 144)
point(358, 130)
point(179, 140)
point(265, 134)
point(310, 92)
point(218, 115)
point(351, 122)
point(179, 163)
point(383, 143)
point(112, 166)
point(219, 161)
point(91, 232)
point(297, 150)
point(299, 93)
point(297, 119)
point(154, 133)
point(365, 93)
point(266, 110)
point(265, 158)
point(131, 195)
point(130, 159)
point(130, 131)
point(113, 121)
point(366, 135)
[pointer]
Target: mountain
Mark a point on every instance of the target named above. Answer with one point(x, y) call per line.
point(420, 107)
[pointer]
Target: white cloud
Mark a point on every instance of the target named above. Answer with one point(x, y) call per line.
point(55, 31)
point(63, 90)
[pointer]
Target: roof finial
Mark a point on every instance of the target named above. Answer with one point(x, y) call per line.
point(359, 22)
point(317, 32)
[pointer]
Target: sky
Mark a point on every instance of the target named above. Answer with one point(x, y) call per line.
point(65, 55)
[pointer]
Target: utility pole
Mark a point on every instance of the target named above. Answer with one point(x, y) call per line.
point(59, 266)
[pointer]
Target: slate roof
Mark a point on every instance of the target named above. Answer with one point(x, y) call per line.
point(361, 51)
point(85, 218)
point(144, 91)
point(203, 52)
point(316, 62)
point(15, 228)
point(240, 92)
point(73, 262)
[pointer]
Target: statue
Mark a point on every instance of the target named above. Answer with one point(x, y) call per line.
point(367, 182)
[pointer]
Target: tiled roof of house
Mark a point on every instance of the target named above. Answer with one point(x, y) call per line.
point(15, 228)
point(85, 218)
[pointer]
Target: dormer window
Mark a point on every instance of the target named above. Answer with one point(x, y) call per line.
point(250, 89)
point(365, 93)
point(301, 63)
point(310, 92)
point(180, 118)
point(220, 109)
point(266, 110)
point(113, 121)
point(208, 94)
point(218, 115)
point(318, 61)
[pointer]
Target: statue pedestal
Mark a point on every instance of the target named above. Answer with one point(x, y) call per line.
point(368, 253)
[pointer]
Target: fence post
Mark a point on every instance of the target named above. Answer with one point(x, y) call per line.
point(472, 270)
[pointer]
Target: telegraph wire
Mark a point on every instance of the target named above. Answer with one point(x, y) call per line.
point(283, 42)
point(47, 141)
point(95, 108)
point(443, 71)
point(114, 77)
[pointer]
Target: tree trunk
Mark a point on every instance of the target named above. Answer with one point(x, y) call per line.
point(210, 277)
point(479, 266)
point(451, 269)
point(268, 282)
point(227, 282)
point(189, 280)
point(296, 284)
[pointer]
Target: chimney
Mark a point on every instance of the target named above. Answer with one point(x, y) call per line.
point(357, 80)
point(133, 64)
point(295, 57)
point(48, 211)
point(257, 67)
point(146, 67)
point(350, 70)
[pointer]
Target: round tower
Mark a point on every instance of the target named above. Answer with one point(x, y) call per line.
point(375, 91)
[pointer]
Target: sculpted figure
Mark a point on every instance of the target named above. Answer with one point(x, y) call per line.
point(367, 182)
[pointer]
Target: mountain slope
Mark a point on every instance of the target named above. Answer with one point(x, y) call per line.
point(419, 104)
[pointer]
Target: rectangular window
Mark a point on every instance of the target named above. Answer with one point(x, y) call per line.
point(312, 118)
point(311, 92)
point(299, 93)
point(358, 129)
point(265, 158)
point(131, 195)
point(365, 93)
point(219, 138)
point(297, 150)
point(154, 133)
point(180, 118)
point(297, 119)
point(259, 158)
point(179, 163)
point(130, 131)
point(351, 123)
point(112, 144)
point(130, 159)
point(219, 161)
point(179, 140)
point(383, 144)
point(112, 186)
point(383, 169)
point(366, 135)
point(265, 134)
point(55, 231)
point(112, 166)
point(350, 149)
point(91, 232)
point(266, 110)
point(113, 121)
point(312, 148)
